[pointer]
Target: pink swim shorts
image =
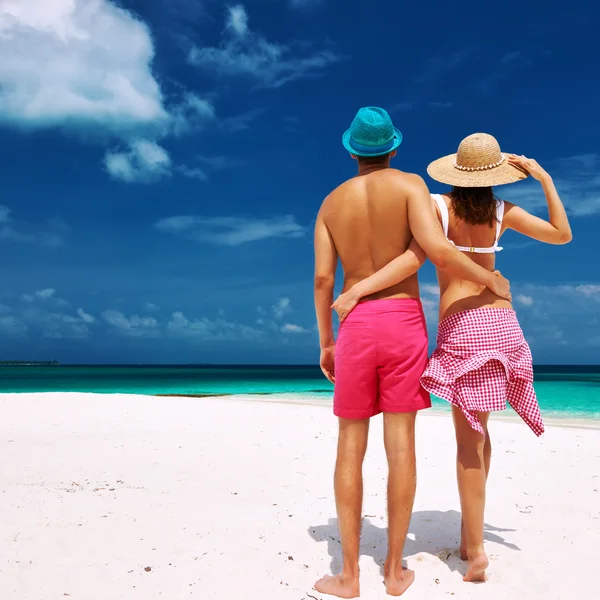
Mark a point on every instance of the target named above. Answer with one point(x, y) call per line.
point(380, 355)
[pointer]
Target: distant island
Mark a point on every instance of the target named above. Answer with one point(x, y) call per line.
point(29, 363)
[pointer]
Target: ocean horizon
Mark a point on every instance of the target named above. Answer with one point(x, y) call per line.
point(564, 391)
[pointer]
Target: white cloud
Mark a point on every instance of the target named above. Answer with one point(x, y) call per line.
point(560, 314)
point(577, 180)
point(85, 317)
point(240, 122)
point(220, 329)
point(87, 65)
point(45, 294)
point(231, 231)
point(149, 306)
point(5, 309)
point(215, 163)
point(135, 325)
point(12, 326)
point(431, 310)
point(75, 62)
point(292, 328)
point(237, 19)
point(193, 172)
point(243, 52)
point(579, 296)
point(144, 162)
point(192, 113)
point(18, 231)
point(592, 291)
point(430, 288)
point(281, 308)
point(52, 323)
point(524, 300)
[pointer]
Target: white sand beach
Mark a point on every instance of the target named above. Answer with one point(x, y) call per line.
point(132, 497)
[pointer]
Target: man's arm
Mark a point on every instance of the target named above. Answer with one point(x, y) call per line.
point(325, 265)
point(426, 229)
point(394, 272)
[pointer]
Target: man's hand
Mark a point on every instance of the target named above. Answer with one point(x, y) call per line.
point(500, 286)
point(328, 362)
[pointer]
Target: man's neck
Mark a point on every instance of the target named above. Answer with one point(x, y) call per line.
point(368, 169)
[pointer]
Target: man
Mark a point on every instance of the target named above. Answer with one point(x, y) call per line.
point(382, 347)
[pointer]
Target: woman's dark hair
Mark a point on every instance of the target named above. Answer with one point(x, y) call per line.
point(475, 206)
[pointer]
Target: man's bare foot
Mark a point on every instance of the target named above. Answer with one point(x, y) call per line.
point(463, 542)
point(341, 586)
point(478, 563)
point(397, 583)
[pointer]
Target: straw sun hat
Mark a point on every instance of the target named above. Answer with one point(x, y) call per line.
point(478, 163)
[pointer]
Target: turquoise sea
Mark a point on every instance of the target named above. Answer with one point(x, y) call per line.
point(568, 392)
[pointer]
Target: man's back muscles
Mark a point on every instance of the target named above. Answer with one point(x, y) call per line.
point(367, 218)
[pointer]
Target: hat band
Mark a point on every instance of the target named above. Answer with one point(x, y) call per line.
point(481, 167)
point(372, 149)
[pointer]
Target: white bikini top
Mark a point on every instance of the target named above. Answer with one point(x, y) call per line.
point(441, 203)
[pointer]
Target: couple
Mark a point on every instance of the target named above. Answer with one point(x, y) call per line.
point(381, 225)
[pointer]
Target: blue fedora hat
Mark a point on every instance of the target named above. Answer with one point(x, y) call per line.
point(372, 133)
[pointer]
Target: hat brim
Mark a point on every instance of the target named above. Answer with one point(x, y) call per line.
point(444, 171)
point(346, 142)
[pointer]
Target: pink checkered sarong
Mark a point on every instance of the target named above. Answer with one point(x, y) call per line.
point(481, 361)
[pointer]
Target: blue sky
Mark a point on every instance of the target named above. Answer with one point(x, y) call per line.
point(162, 163)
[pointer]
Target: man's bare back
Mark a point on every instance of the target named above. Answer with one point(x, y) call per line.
point(367, 218)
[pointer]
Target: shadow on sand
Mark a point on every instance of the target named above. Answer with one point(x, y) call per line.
point(433, 532)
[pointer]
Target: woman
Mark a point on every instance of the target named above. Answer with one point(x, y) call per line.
point(482, 358)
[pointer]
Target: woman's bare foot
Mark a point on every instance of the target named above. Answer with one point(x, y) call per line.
point(478, 563)
point(340, 585)
point(396, 583)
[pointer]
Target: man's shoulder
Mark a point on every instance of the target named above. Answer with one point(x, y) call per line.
point(341, 190)
point(406, 178)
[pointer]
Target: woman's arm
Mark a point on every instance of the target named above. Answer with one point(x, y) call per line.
point(394, 272)
point(554, 231)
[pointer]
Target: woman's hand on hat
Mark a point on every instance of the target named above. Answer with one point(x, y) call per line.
point(528, 164)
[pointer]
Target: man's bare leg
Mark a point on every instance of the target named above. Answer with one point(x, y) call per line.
point(399, 439)
point(471, 474)
point(487, 459)
point(348, 483)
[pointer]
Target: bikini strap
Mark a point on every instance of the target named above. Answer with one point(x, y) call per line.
point(499, 219)
point(441, 203)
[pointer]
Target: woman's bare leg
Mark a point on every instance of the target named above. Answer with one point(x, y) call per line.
point(487, 459)
point(471, 474)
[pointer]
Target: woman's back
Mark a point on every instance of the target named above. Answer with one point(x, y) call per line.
point(480, 241)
